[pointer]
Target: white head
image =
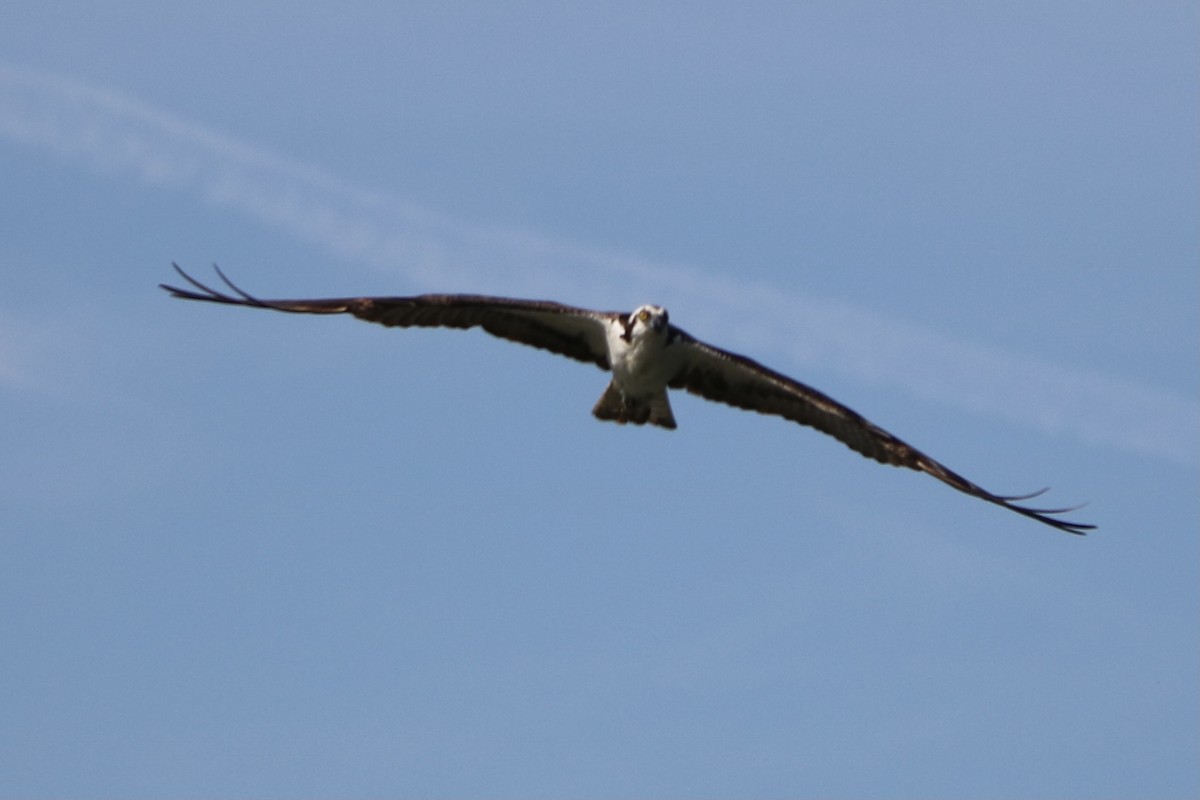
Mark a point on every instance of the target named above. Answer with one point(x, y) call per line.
point(646, 320)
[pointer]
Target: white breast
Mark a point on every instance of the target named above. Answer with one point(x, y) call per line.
point(641, 366)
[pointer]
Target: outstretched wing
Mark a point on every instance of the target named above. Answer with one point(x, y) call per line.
point(725, 377)
point(566, 330)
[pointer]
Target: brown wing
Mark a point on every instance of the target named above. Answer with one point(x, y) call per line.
point(738, 381)
point(566, 330)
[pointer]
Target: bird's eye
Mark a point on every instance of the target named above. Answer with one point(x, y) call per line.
point(643, 315)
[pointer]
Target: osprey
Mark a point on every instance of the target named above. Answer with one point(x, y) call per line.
point(646, 355)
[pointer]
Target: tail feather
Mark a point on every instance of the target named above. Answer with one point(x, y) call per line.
point(614, 406)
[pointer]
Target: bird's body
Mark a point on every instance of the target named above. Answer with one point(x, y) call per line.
point(642, 356)
point(646, 356)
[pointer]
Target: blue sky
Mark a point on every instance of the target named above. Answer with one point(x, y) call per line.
point(250, 555)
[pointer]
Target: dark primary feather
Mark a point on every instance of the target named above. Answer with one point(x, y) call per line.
point(579, 333)
point(566, 330)
point(742, 382)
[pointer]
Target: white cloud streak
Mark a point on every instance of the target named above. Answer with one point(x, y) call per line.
point(115, 134)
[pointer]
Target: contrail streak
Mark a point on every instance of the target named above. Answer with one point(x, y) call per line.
point(114, 134)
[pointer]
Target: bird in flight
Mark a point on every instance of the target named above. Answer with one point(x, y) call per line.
point(646, 355)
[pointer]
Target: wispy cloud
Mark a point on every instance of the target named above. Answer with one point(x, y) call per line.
point(113, 133)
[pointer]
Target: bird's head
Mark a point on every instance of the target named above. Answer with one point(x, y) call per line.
point(646, 320)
